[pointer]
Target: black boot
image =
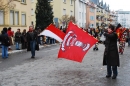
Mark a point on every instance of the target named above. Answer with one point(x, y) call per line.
point(108, 76)
point(113, 77)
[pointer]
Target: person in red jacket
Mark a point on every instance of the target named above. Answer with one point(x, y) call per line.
point(10, 34)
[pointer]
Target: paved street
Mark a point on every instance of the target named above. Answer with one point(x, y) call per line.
point(47, 70)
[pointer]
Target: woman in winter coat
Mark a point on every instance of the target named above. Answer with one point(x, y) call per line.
point(111, 55)
point(24, 39)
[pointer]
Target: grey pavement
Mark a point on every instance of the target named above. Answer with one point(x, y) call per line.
point(47, 70)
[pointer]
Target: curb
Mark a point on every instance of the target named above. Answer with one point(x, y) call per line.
point(25, 50)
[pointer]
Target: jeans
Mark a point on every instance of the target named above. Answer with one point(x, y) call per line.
point(48, 40)
point(110, 69)
point(54, 41)
point(17, 45)
point(32, 46)
point(128, 41)
point(4, 51)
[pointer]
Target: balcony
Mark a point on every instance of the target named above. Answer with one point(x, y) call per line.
point(98, 13)
point(98, 18)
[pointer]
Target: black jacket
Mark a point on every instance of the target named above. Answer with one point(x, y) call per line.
point(32, 37)
point(111, 55)
point(18, 37)
point(4, 39)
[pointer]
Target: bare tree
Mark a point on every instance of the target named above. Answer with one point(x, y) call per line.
point(5, 5)
point(66, 19)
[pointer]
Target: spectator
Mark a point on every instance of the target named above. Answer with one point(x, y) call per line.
point(18, 39)
point(5, 43)
point(31, 41)
point(24, 39)
point(10, 34)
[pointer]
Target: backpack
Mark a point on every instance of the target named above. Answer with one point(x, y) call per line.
point(6, 40)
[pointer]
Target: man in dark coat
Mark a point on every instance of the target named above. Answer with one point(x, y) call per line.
point(111, 56)
point(32, 43)
point(5, 43)
point(18, 39)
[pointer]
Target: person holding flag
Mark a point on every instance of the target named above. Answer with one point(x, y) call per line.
point(111, 55)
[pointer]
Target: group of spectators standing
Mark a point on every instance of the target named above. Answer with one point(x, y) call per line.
point(29, 40)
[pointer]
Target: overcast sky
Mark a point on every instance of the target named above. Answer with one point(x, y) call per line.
point(118, 4)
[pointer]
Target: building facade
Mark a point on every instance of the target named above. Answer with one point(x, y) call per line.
point(33, 15)
point(80, 12)
point(124, 18)
point(91, 15)
point(102, 13)
point(19, 17)
point(62, 8)
point(113, 18)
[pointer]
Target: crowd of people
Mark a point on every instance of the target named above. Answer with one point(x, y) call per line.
point(22, 40)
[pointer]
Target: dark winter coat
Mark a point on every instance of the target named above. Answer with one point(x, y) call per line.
point(24, 40)
point(18, 37)
point(111, 55)
point(24, 37)
point(4, 39)
point(34, 38)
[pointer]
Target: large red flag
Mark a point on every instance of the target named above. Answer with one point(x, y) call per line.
point(76, 43)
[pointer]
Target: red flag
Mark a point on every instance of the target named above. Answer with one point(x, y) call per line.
point(53, 32)
point(76, 43)
point(118, 31)
point(123, 30)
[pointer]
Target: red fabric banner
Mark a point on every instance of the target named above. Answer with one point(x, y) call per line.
point(53, 32)
point(76, 43)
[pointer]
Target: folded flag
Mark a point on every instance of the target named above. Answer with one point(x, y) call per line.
point(53, 32)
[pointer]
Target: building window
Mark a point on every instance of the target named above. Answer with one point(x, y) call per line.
point(16, 18)
point(71, 2)
point(91, 17)
point(64, 1)
point(91, 10)
point(85, 16)
point(79, 24)
point(64, 11)
point(23, 16)
point(79, 15)
point(71, 13)
point(11, 17)
point(23, 1)
point(82, 16)
point(50, 0)
point(32, 23)
point(1, 17)
point(32, 12)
